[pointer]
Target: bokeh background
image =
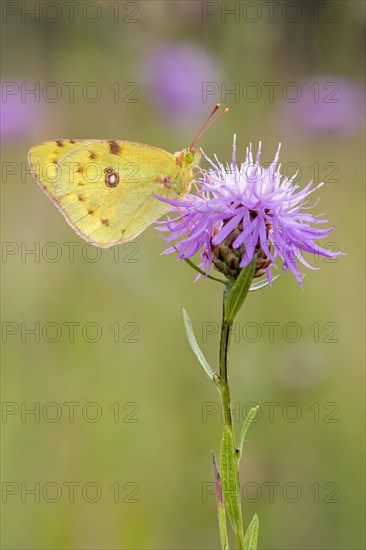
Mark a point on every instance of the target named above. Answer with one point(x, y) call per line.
point(118, 450)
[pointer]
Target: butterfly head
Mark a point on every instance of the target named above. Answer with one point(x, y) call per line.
point(188, 157)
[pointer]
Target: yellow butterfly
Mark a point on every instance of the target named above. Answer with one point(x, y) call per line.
point(106, 189)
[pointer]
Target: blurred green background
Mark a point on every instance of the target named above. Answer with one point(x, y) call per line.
point(118, 451)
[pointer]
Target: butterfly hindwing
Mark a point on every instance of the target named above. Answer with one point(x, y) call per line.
point(105, 189)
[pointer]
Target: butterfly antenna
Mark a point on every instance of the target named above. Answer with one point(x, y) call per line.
point(214, 110)
point(204, 128)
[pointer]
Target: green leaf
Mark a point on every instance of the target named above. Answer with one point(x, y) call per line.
point(251, 536)
point(195, 347)
point(194, 266)
point(261, 284)
point(220, 506)
point(249, 418)
point(238, 291)
point(229, 476)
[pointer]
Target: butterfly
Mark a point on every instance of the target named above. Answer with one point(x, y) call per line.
point(106, 189)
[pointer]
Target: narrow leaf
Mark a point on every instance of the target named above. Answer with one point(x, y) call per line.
point(261, 284)
point(195, 347)
point(251, 536)
point(229, 475)
point(239, 291)
point(220, 506)
point(249, 418)
point(194, 266)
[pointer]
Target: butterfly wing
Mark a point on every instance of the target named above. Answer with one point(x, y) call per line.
point(43, 160)
point(105, 189)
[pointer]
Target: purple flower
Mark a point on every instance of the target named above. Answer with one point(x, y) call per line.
point(20, 113)
point(326, 105)
point(240, 211)
point(177, 74)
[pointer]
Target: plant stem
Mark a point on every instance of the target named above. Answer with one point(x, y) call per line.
point(224, 380)
point(224, 387)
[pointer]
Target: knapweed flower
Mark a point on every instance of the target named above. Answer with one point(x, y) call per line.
point(327, 105)
point(176, 74)
point(19, 115)
point(242, 211)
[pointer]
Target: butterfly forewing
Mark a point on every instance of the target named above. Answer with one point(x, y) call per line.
point(105, 189)
point(44, 158)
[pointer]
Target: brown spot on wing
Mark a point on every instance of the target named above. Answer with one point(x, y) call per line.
point(105, 222)
point(72, 141)
point(114, 148)
point(80, 169)
point(165, 181)
point(111, 177)
point(81, 198)
point(60, 143)
point(92, 155)
point(90, 211)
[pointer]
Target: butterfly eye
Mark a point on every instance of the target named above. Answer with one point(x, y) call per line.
point(188, 157)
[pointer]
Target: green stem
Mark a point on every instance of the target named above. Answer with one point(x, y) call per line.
point(224, 388)
point(224, 380)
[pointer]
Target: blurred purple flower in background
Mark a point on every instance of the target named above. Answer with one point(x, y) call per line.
point(324, 105)
point(176, 75)
point(20, 111)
